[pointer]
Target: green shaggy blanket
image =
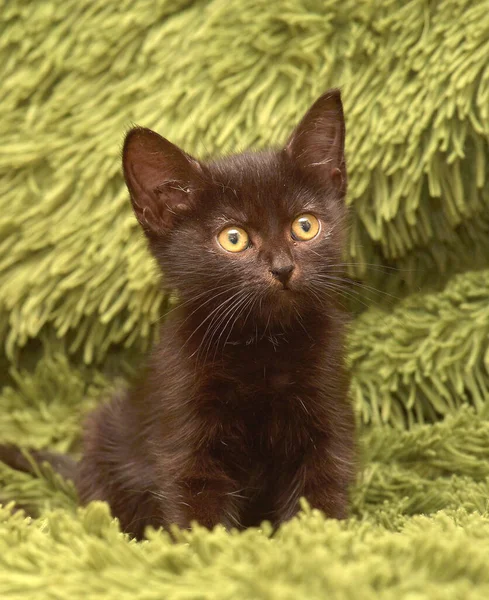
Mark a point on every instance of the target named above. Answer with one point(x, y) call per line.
point(79, 298)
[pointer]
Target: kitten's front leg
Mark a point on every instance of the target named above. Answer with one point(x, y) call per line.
point(323, 478)
point(207, 495)
point(211, 502)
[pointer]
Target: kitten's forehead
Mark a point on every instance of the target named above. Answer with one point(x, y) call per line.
point(257, 187)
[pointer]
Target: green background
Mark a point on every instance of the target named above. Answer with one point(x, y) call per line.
point(80, 297)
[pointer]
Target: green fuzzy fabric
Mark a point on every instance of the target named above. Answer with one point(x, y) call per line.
point(80, 297)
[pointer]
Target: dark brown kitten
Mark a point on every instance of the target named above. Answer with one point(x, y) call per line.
point(243, 407)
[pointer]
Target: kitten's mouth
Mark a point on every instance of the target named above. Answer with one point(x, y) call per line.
point(281, 287)
point(284, 292)
point(280, 290)
point(282, 295)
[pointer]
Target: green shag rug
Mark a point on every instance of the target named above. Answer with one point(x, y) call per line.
point(79, 298)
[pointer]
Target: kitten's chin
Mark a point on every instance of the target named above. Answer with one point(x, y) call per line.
point(291, 301)
point(284, 296)
point(281, 303)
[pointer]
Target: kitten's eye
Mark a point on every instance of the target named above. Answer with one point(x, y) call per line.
point(305, 227)
point(233, 239)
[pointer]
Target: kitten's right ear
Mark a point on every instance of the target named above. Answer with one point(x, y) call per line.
point(162, 179)
point(317, 144)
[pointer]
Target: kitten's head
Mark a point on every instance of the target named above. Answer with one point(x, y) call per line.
point(257, 234)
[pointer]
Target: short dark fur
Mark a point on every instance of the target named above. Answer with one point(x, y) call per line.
point(243, 406)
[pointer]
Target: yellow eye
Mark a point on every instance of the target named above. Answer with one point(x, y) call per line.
point(233, 239)
point(305, 227)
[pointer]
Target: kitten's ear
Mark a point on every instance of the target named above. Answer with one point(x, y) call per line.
point(317, 145)
point(162, 179)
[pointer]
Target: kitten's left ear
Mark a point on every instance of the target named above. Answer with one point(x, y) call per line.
point(317, 145)
point(162, 179)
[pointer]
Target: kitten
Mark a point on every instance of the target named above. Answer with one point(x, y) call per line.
point(243, 406)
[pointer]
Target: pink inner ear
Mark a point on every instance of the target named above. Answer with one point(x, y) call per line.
point(180, 207)
point(337, 177)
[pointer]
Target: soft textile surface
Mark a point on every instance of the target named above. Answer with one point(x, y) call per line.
point(80, 300)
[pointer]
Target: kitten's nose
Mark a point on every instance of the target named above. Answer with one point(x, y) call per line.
point(282, 272)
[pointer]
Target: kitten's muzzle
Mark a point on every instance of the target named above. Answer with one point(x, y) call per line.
point(282, 272)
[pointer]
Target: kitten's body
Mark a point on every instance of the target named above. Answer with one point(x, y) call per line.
point(235, 441)
point(243, 407)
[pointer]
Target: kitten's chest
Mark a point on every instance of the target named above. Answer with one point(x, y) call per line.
point(259, 431)
point(265, 400)
point(270, 368)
